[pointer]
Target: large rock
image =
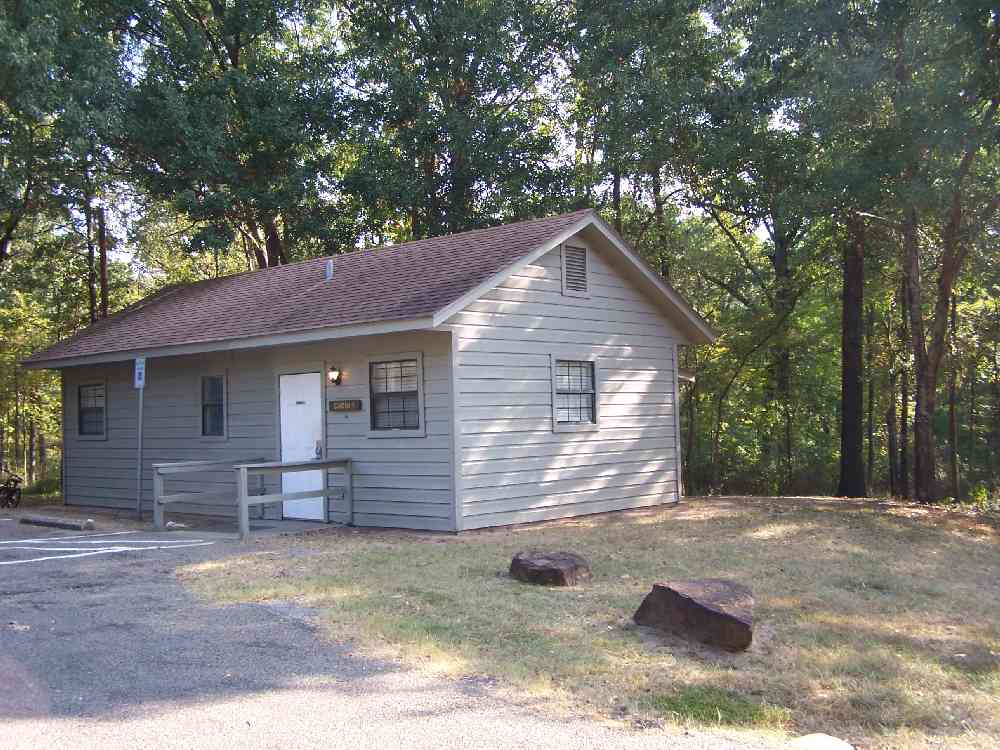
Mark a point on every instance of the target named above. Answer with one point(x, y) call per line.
point(709, 610)
point(549, 568)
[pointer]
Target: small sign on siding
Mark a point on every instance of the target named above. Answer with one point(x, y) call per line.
point(140, 372)
point(346, 404)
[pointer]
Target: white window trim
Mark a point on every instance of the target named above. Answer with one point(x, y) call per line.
point(562, 262)
point(104, 434)
point(572, 426)
point(397, 432)
point(224, 374)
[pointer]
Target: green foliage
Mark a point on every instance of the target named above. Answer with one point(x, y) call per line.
point(233, 120)
point(730, 141)
point(451, 117)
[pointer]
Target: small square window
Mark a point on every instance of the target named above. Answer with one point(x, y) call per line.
point(575, 395)
point(213, 406)
point(91, 410)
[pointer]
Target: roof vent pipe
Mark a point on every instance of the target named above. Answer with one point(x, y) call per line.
point(328, 274)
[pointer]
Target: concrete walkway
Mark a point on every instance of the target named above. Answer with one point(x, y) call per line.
point(112, 651)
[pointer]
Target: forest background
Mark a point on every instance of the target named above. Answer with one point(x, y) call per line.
point(820, 178)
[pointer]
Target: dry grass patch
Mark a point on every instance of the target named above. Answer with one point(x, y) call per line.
point(874, 623)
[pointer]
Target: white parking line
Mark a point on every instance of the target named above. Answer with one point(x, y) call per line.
point(67, 536)
point(177, 545)
point(57, 557)
point(76, 545)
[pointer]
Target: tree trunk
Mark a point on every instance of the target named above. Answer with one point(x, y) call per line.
point(904, 433)
point(102, 245)
point(780, 379)
point(924, 374)
point(904, 397)
point(970, 448)
point(953, 476)
point(616, 197)
point(91, 269)
point(852, 441)
point(273, 245)
point(16, 452)
point(29, 454)
point(43, 456)
point(692, 431)
point(890, 434)
point(994, 433)
point(870, 375)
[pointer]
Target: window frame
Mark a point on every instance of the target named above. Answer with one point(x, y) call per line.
point(396, 432)
point(224, 376)
point(104, 424)
point(558, 426)
point(567, 292)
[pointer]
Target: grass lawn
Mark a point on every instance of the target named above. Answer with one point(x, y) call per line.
point(876, 623)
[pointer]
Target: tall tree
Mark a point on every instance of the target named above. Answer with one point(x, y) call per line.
point(945, 125)
point(453, 120)
point(640, 71)
point(852, 466)
point(61, 74)
point(235, 120)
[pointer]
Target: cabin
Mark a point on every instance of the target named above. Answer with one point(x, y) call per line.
point(497, 376)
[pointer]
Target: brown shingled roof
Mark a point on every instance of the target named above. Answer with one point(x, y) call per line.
point(411, 280)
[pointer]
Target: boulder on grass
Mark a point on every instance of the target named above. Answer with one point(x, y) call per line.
point(709, 610)
point(549, 568)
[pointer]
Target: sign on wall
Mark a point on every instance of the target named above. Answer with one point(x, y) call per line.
point(140, 372)
point(346, 404)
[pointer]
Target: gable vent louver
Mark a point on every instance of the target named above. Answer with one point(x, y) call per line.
point(575, 270)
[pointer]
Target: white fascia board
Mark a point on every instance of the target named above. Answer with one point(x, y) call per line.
point(252, 342)
point(675, 300)
point(496, 279)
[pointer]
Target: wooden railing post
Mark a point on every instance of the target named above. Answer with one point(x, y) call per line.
point(157, 494)
point(242, 506)
point(349, 490)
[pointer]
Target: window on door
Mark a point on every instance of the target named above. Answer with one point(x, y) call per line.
point(213, 406)
point(395, 395)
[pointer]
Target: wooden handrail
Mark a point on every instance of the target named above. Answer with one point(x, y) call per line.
point(244, 499)
point(192, 467)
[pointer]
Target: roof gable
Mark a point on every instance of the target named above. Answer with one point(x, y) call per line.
point(636, 270)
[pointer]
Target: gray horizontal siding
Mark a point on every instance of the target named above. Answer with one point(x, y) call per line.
point(404, 482)
point(513, 467)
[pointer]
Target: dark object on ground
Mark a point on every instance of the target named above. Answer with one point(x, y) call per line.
point(60, 523)
point(549, 568)
point(709, 610)
point(10, 490)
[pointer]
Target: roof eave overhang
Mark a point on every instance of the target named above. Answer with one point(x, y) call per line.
point(250, 342)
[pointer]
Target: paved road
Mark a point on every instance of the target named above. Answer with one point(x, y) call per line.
point(109, 650)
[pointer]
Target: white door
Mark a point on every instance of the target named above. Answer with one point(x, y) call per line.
point(301, 399)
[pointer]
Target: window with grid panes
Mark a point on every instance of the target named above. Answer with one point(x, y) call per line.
point(574, 392)
point(91, 409)
point(395, 401)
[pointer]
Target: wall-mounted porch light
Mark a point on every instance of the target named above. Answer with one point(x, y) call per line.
point(334, 375)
